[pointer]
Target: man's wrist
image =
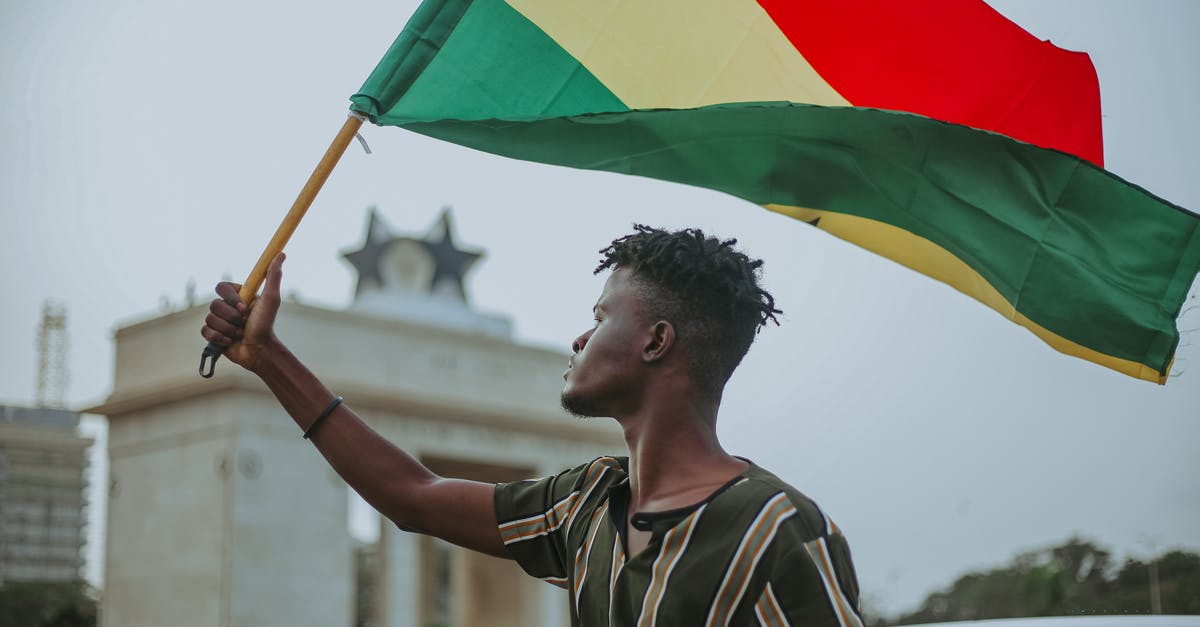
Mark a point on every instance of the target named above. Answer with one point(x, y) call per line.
point(268, 357)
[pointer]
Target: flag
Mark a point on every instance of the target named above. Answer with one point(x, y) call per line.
point(945, 138)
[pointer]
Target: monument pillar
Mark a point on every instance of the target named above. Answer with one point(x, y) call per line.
point(399, 577)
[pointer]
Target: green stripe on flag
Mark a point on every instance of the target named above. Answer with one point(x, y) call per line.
point(1074, 248)
point(433, 70)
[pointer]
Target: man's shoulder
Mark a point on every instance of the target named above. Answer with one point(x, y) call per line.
point(804, 518)
point(575, 491)
point(605, 469)
point(616, 468)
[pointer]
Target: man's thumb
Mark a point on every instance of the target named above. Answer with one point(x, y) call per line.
point(274, 278)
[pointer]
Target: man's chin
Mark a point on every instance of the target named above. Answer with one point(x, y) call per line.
point(579, 407)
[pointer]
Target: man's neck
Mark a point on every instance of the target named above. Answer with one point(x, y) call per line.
point(675, 459)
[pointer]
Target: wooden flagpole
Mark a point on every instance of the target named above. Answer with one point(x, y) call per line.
point(249, 290)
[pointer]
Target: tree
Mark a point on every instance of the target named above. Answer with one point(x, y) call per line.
point(1179, 585)
point(1076, 577)
point(47, 604)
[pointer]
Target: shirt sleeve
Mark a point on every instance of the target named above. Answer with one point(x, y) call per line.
point(811, 583)
point(536, 517)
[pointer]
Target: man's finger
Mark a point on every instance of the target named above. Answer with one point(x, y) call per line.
point(274, 278)
point(213, 336)
point(264, 308)
point(227, 312)
point(229, 292)
point(224, 327)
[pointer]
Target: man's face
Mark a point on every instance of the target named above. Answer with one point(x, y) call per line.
point(605, 373)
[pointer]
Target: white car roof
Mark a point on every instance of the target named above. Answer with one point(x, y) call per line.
point(1132, 620)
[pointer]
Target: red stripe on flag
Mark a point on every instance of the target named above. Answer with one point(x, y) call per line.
point(953, 60)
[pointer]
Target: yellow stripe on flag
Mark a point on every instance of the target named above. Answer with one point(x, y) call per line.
point(731, 51)
point(938, 263)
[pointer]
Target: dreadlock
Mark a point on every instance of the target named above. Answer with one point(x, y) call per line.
point(704, 287)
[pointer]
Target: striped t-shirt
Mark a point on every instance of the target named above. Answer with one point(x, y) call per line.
point(756, 552)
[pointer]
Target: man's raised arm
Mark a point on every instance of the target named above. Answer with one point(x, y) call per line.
point(389, 479)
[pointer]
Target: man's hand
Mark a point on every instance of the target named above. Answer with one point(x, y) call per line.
point(389, 479)
point(247, 333)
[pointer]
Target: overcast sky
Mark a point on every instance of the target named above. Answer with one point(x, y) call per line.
point(144, 145)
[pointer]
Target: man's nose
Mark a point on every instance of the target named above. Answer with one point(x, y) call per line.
point(581, 341)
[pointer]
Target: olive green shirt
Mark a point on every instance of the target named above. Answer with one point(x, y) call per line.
point(755, 552)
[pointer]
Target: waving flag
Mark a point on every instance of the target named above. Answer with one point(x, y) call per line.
point(945, 138)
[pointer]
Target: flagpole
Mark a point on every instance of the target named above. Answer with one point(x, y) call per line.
point(212, 352)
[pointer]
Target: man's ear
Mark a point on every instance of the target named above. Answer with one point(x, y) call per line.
point(659, 342)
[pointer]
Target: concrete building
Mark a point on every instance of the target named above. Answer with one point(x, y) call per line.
point(42, 502)
point(221, 515)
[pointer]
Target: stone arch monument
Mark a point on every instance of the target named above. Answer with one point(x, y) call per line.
point(220, 515)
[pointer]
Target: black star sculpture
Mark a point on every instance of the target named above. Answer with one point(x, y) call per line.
point(450, 263)
point(366, 260)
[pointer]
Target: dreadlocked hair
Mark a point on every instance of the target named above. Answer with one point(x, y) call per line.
point(705, 288)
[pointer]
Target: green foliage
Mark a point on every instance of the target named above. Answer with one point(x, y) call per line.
point(1178, 580)
point(47, 604)
point(1077, 577)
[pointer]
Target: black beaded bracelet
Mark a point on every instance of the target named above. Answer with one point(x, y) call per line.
point(325, 414)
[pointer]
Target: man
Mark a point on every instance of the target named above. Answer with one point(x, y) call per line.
point(680, 532)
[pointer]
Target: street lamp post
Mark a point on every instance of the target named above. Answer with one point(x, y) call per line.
point(1151, 542)
point(1155, 599)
